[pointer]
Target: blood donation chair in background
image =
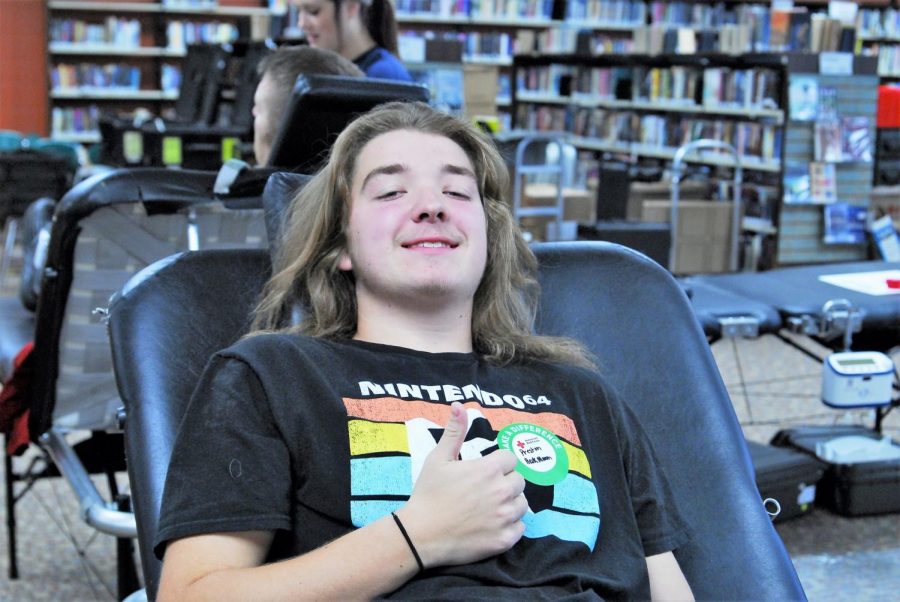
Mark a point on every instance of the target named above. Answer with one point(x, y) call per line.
point(320, 108)
point(104, 230)
point(203, 72)
point(169, 319)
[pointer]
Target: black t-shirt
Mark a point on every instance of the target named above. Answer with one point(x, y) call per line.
point(312, 438)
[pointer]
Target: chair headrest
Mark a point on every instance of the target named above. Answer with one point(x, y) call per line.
point(321, 106)
point(277, 196)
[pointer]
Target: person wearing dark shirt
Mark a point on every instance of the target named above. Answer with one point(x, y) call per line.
point(364, 31)
point(404, 434)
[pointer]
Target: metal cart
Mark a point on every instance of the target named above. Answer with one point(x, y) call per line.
point(526, 169)
point(681, 156)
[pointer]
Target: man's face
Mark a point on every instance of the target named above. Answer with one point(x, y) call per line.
point(417, 231)
point(266, 118)
point(317, 20)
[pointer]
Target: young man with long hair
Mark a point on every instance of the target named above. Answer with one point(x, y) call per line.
point(392, 427)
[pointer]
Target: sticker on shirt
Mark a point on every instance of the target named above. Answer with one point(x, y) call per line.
point(541, 455)
point(390, 439)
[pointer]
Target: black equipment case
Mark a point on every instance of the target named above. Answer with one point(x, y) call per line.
point(849, 489)
point(787, 476)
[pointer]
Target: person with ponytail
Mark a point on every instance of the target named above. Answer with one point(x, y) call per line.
point(363, 31)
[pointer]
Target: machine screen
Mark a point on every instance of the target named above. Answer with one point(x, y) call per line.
point(859, 362)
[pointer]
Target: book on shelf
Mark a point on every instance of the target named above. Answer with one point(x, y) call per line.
point(856, 142)
point(822, 183)
point(828, 141)
point(845, 224)
point(887, 241)
point(803, 97)
point(170, 78)
point(779, 28)
point(828, 103)
point(797, 183)
point(799, 30)
point(844, 11)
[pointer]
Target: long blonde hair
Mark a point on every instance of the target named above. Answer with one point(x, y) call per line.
point(307, 277)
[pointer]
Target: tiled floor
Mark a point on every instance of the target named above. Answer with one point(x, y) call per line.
point(773, 386)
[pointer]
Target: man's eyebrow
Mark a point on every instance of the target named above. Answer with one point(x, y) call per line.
point(459, 170)
point(384, 170)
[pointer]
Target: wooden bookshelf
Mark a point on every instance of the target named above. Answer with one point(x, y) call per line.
point(620, 123)
point(149, 36)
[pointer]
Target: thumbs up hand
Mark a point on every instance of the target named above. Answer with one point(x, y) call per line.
point(462, 511)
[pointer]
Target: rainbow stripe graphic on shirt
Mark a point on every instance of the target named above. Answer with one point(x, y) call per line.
point(390, 438)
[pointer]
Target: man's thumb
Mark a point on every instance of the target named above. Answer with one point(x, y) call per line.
point(454, 433)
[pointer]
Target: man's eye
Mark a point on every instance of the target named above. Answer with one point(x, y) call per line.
point(457, 194)
point(388, 195)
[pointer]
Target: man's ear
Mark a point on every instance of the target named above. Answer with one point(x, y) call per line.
point(351, 9)
point(344, 263)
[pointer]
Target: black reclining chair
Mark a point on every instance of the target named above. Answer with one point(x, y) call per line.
point(17, 312)
point(624, 306)
point(321, 106)
point(225, 128)
point(104, 230)
point(198, 96)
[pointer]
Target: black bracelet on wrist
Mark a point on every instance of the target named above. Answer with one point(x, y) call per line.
point(409, 541)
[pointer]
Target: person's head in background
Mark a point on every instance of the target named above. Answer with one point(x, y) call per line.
point(278, 72)
point(349, 27)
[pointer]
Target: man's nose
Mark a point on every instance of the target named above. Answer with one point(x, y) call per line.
point(430, 208)
point(431, 216)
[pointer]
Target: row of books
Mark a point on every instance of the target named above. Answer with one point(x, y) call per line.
point(432, 8)
point(797, 31)
point(879, 23)
point(718, 86)
point(110, 76)
point(757, 140)
point(190, 3)
point(122, 33)
point(691, 13)
point(65, 76)
point(510, 9)
point(664, 39)
point(180, 34)
point(500, 45)
point(607, 11)
point(709, 87)
point(888, 59)
point(871, 22)
point(564, 39)
point(76, 120)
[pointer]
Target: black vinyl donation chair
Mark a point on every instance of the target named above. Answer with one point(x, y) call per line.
point(624, 306)
point(103, 231)
point(123, 140)
point(320, 108)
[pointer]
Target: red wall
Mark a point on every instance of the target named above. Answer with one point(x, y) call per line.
point(23, 66)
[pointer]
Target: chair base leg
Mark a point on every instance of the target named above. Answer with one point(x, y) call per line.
point(10, 515)
point(126, 571)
